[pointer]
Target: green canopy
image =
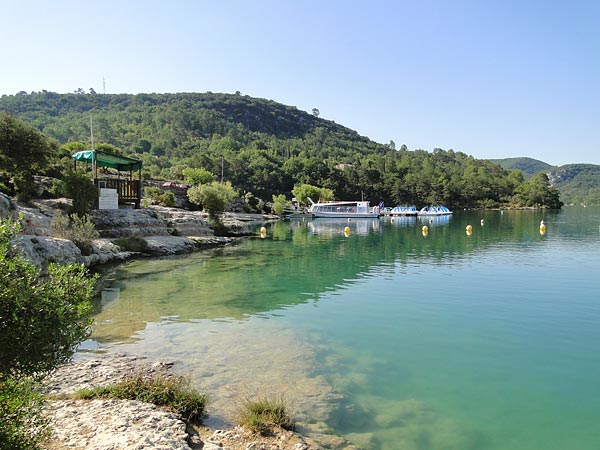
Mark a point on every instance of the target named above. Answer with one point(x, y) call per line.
point(102, 159)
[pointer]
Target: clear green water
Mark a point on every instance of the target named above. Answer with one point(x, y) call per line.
point(449, 341)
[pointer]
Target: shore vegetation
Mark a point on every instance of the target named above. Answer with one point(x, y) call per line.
point(260, 415)
point(172, 392)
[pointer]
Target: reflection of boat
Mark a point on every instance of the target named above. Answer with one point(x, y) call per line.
point(433, 210)
point(403, 211)
point(359, 226)
point(344, 209)
point(403, 221)
point(443, 219)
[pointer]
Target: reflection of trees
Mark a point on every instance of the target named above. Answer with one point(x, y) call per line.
point(291, 266)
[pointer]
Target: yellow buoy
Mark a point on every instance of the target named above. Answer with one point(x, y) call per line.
point(542, 229)
point(469, 230)
point(347, 231)
point(263, 232)
point(425, 230)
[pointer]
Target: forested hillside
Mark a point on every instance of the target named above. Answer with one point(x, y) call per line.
point(267, 148)
point(578, 183)
point(528, 166)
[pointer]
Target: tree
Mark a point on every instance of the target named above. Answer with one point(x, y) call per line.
point(316, 112)
point(279, 204)
point(79, 187)
point(212, 197)
point(304, 191)
point(197, 176)
point(23, 152)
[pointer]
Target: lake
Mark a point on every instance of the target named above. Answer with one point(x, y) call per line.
point(393, 339)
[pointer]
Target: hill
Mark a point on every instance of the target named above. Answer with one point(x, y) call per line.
point(577, 183)
point(265, 148)
point(528, 166)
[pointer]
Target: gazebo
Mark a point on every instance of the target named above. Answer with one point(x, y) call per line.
point(128, 190)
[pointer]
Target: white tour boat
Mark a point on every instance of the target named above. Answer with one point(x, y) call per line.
point(349, 209)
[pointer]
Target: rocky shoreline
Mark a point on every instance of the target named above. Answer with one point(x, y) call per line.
point(128, 425)
point(166, 231)
point(123, 424)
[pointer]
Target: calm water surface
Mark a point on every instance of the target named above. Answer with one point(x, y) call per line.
point(448, 341)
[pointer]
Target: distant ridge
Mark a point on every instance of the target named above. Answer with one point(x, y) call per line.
point(577, 183)
point(528, 166)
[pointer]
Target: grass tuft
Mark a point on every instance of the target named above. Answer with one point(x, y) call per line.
point(261, 415)
point(173, 392)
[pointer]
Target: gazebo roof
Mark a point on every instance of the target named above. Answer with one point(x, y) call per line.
point(103, 159)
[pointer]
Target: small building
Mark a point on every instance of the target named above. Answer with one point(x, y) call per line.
point(111, 185)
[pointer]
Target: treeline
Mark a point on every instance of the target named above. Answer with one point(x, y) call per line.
point(266, 148)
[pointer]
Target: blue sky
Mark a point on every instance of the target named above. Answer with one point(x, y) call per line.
point(493, 79)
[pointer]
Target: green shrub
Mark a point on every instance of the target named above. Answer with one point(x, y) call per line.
point(173, 392)
point(42, 319)
point(80, 230)
point(23, 423)
point(80, 188)
point(263, 414)
point(212, 197)
point(156, 195)
point(132, 244)
point(167, 199)
point(152, 192)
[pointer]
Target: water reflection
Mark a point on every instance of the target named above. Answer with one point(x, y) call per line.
point(337, 227)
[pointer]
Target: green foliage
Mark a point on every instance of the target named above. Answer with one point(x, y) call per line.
point(45, 316)
point(23, 149)
point(132, 244)
point(198, 176)
point(23, 423)
point(538, 192)
point(173, 392)
point(79, 187)
point(253, 202)
point(304, 191)
point(73, 227)
point(261, 415)
point(156, 194)
point(167, 199)
point(265, 148)
point(212, 197)
point(528, 166)
point(578, 183)
point(42, 319)
point(279, 204)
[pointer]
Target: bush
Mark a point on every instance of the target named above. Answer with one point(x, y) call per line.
point(80, 230)
point(156, 195)
point(23, 423)
point(132, 244)
point(263, 414)
point(173, 392)
point(78, 186)
point(212, 197)
point(41, 322)
point(167, 199)
point(279, 204)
